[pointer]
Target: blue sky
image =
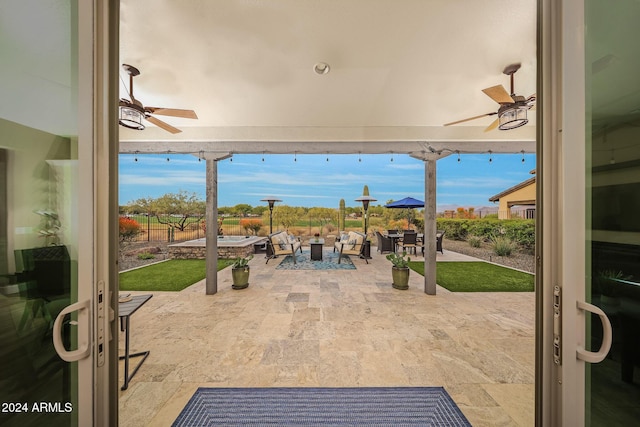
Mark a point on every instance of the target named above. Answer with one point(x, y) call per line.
point(311, 180)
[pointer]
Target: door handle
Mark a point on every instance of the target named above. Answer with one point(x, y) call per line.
point(590, 356)
point(83, 350)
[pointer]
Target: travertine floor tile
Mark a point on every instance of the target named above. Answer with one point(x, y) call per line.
point(341, 328)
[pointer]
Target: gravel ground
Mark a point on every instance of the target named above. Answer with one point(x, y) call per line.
point(129, 254)
point(518, 260)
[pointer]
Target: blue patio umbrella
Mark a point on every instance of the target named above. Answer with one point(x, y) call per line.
point(406, 203)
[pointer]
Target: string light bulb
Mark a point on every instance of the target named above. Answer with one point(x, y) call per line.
point(522, 156)
point(135, 156)
point(458, 152)
point(490, 156)
point(359, 159)
point(392, 156)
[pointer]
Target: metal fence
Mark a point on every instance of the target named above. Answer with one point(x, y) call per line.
point(165, 229)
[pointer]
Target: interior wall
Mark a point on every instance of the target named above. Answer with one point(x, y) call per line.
point(3, 212)
point(27, 182)
point(616, 184)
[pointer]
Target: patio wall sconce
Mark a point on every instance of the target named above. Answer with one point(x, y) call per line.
point(271, 201)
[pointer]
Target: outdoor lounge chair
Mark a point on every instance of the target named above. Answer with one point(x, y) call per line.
point(385, 244)
point(354, 245)
point(281, 243)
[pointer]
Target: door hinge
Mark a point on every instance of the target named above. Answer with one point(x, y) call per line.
point(557, 325)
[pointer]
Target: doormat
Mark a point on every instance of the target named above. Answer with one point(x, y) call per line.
point(304, 262)
point(375, 406)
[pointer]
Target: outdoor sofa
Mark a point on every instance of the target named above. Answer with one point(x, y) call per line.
point(351, 244)
point(282, 243)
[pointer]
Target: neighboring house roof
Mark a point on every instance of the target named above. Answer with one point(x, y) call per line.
point(513, 189)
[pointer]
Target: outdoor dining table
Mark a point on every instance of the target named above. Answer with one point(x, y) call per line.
point(397, 236)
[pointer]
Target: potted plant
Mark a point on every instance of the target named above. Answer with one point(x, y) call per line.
point(240, 272)
point(317, 237)
point(400, 270)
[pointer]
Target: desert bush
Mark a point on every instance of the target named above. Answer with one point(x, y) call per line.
point(146, 255)
point(503, 246)
point(128, 229)
point(474, 241)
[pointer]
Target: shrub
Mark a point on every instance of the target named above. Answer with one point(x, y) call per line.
point(503, 246)
point(146, 255)
point(128, 228)
point(474, 241)
point(253, 224)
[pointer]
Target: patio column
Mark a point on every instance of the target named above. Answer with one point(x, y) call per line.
point(430, 227)
point(212, 227)
point(211, 213)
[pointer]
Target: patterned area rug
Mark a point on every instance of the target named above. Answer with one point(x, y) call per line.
point(329, 262)
point(384, 406)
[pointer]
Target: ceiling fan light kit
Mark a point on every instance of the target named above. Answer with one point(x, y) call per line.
point(131, 118)
point(513, 116)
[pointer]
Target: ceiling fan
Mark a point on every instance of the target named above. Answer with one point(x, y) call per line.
point(513, 108)
point(132, 111)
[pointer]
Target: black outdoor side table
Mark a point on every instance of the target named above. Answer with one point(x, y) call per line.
point(316, 249)
point(125, 310)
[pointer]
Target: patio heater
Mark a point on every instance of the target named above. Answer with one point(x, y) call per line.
point(271, 200)
point(365, 204)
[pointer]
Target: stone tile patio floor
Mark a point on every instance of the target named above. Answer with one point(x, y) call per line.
point(340, 328)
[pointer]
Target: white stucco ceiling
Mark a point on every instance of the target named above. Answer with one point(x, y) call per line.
point(400, 69)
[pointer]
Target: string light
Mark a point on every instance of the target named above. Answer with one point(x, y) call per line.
point(200, 155)
point(263, 156)
point(392, 156)
point(522, 156)
point(458, 152)
point(168, 152)
point(295, 156)
point(327, 156)
point(359, 159)
point(490, 156)
point(135, 157)
point(612, 161)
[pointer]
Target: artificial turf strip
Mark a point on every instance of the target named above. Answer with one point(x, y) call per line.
point(478, 277)
point(172, 275)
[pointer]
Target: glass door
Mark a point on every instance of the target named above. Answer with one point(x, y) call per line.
point(612, 64)
point(50, 246)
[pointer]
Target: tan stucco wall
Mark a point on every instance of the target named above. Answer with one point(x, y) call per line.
point(524, 194)
point(28, 182)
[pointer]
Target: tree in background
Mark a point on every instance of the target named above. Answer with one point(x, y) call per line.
point(285, 215)
point(322, 215)
point(463, 213)
point(242, 209)
point(175, 210)
point(341, 215)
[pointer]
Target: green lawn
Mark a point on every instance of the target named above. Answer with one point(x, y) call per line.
point(172, 275)
point(478, 277)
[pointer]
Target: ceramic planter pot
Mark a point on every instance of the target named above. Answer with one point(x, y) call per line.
point(240, 277)
point(400, 278)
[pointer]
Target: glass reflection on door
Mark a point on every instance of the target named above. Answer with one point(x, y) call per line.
point(38, 211)
point(613, 177)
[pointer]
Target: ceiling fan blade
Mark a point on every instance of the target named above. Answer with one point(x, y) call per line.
point(499, 94)
point(174, 112)
point(469, 119)
point(492, 126)
point(163, 125)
